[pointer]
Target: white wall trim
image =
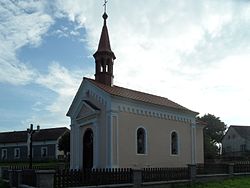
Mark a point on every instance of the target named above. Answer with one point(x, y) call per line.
point(150, 111)
point(108, 140)
point(193, 143)
point(117, 138)
point(114, 137)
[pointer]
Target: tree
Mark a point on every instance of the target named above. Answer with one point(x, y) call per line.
point(213, 133)
point(64, 143)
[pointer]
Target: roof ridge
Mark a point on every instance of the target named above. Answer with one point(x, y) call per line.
point(127, 89)
point(40, 130)
point(138, 95)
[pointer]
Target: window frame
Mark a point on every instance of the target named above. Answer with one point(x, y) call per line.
point(145, 141)
point(243, 148)
point(44, 147)
point(2, 152)
point(177, 145)
point(17, 149)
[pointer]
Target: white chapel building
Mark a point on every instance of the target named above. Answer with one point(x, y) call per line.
point(116, 127)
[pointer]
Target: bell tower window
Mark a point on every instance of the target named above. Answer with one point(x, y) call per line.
point(107, 68)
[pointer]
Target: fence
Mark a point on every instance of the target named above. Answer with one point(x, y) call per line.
point(164, 174)
point(212, 168)
point(242, 167)
point(126, 177)
point(67, 178)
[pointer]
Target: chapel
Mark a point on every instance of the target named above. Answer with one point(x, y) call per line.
point(116, 127)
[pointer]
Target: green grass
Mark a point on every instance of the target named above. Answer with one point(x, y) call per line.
point(3, 184)
point(230, 183)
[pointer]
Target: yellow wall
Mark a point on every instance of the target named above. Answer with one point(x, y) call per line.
point(158, 141)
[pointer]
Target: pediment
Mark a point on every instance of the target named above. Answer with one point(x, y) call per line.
point(87, 109)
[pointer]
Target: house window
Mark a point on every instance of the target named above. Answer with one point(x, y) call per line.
point(243, 147)
point(141, 141)
point(17, 153)
point(4, 154)
point(174, 143)
point(44, 152)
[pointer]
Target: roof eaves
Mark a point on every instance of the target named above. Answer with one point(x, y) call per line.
point(164, 106)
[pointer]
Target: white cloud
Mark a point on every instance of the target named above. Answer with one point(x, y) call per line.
point(60, 80)
point(193, 52)
point(22, 23)
point(64, 83)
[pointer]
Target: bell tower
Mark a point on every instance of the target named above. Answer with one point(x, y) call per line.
point(104, 57)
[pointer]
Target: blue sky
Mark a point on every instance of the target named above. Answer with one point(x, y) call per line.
point(195, 53)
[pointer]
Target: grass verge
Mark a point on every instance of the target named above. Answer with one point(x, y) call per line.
point(243, 182)
point(3, 184)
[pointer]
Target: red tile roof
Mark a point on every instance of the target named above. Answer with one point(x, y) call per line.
point(138, 96)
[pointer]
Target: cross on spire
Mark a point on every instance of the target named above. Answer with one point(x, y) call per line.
point(105, 5)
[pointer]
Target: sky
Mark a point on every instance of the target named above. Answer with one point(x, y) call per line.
point(195, 53)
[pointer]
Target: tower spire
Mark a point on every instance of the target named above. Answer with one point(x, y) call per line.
point(104, 57)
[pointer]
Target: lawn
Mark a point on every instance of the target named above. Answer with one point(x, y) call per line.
point(230, 183)
point(3, 184)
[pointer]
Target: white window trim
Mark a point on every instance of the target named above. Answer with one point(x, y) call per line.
point(17, 149)
point(146, 141)
point(44, 147)
point(178, 143)
point(3, 153)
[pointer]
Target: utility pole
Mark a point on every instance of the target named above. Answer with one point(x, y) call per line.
point(31, 131)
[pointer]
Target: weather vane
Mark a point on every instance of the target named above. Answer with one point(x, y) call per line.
point(105, 5)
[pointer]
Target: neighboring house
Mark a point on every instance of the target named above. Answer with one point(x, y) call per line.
point(13, 145)
point(236, 141)
point(116, 127)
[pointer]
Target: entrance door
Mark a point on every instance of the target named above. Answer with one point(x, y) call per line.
point(88, 149)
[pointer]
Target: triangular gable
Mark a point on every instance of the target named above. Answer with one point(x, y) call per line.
point(82, 94)
point(230, 132)
point(87, 109)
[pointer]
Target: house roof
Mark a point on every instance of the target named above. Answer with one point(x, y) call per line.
point(243, 131)
point(138, 96)
point(43, 135)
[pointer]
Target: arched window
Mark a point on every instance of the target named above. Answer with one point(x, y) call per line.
point(102, 67)
point(141, 141)
point(174, 143)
